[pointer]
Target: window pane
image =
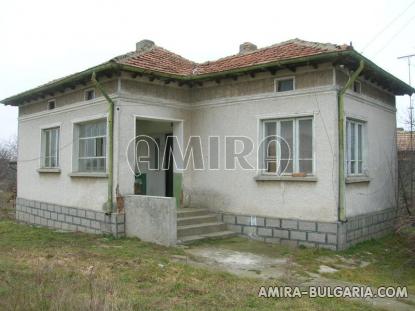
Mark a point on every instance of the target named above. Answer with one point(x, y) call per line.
point(352, 141)
point(286, 166)
point(306, 166)
point(286, 146)
point(285, 85)
point(286, 141)
point(270, 143)
point(50, 145)
point(305, 143)
point(47, 143)
point(359, 139)
point(271, 166)
point(99, 147)
point(92, 146)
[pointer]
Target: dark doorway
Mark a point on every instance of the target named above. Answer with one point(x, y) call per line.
point(168, 165)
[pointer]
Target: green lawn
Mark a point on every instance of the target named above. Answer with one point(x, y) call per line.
point(42, 269)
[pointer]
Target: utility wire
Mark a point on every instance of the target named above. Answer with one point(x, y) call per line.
point(394, 35)
point(387, 26)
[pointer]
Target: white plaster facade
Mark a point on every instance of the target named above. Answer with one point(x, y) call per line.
point(232, 108)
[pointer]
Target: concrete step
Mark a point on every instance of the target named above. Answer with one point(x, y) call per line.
point(200, 229)
point(193, 220)
point(189, 212)
point(208, 236)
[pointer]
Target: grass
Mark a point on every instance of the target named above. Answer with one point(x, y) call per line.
point(388, 260)
point(391, 263)
point(41, 269)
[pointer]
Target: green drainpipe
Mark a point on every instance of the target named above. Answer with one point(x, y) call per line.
point(109, 206)
point(341, 119)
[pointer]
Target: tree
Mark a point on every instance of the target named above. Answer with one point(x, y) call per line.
point(8, 155)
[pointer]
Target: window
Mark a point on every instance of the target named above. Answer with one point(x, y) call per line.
point(92, 146)
point(284, 84)
point(89, 94)
point(51, 104)
point(357, 87)
point(354, 147)
point(50, 148)
point(288, 146)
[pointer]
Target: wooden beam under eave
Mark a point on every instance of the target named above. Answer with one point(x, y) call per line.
point(218, 81)
point(151, 78)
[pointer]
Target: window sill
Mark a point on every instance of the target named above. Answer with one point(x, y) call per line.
point(357, 179)
point(55, 170)
point(285, 178)
point(88, 175)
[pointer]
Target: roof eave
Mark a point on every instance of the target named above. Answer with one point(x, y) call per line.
point(79, 76)
point(399, 87)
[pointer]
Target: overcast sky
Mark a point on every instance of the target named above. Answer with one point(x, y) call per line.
point(44, 40)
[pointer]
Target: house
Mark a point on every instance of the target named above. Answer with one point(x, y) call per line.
point(405, 148)
point(292, 143)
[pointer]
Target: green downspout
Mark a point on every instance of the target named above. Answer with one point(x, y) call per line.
point(341, 119)
point(109, 204)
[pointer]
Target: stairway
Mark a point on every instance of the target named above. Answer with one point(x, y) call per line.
point(195, 224)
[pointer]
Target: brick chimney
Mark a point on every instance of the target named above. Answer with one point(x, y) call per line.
point(247, 47)
point(144, 45)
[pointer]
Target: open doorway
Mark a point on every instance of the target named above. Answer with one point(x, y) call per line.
point(154, 158)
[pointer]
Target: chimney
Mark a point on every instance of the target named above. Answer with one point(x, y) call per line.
point(144, 45)
point(247, 47)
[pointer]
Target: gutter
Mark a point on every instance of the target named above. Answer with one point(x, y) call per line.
point(109, 205)
point(341, 122)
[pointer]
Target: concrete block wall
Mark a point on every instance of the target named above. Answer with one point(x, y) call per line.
point(292, 232)
point(364, 227)
point(69, 218)
point(295, 232)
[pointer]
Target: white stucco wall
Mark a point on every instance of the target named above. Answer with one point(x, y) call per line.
point(58, 188)
point(230, 191)
point(381, 156)
point(237, 191)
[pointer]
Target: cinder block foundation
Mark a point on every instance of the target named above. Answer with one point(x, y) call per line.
point(330, 235)
point(69, 218)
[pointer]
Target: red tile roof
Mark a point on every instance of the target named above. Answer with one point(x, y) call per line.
point(161, 60)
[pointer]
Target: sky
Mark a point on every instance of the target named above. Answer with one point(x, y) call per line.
point(43, 40)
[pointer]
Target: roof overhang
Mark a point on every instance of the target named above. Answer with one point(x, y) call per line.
point(348, 58)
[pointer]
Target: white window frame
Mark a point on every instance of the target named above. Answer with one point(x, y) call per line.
point(86, 92)
point(348, 148)
point(296, 139)
point(44, 132)
point(276, 80)
point(77, 139)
